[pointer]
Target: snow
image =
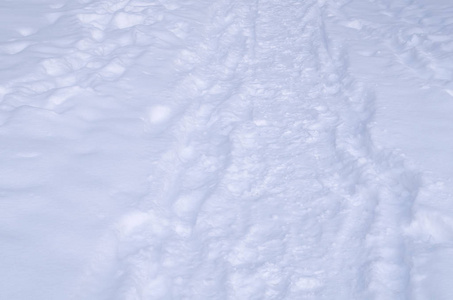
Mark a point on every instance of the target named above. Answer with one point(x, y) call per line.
point(226, 149)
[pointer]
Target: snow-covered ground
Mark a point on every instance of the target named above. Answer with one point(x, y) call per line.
point(226, 149)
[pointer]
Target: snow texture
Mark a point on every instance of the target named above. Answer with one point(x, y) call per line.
point(194, 149)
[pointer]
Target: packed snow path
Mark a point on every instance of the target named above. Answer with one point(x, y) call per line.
point(225, 149)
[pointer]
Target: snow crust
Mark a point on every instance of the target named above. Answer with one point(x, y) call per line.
point(225, 149)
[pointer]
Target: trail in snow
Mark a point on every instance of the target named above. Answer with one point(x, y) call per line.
point(271, 150)
point(403, 50)
point(214, 150)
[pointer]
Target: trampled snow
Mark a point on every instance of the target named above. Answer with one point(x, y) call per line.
point(192, 149)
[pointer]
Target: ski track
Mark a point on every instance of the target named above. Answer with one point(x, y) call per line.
point(413, 42)
point(258, 174)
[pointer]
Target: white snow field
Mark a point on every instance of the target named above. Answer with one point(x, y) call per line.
point(226, 149)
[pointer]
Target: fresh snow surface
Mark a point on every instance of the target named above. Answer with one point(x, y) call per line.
point(226, 149)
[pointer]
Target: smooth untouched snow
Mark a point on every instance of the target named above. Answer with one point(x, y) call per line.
point(262, 149)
